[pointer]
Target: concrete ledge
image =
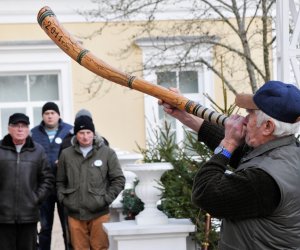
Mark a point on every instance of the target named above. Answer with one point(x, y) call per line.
point(127, 235)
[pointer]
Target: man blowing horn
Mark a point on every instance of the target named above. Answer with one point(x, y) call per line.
point(259, 201)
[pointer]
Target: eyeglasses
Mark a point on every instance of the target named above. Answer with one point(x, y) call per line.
point(20, 125)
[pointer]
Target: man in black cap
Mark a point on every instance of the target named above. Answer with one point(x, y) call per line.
point(258, 202)
point(26, 181)
point(67, 141)
point(89, 178)
point(50, 134)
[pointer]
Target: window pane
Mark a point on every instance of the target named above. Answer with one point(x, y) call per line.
point(43, 87)
point(164, 117)
point(37, 116)
point(171, 121)
point(13, 89)
point(188, 82)
point(166, 79)
point(5, 114)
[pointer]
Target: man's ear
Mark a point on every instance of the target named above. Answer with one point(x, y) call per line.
point(269, 127)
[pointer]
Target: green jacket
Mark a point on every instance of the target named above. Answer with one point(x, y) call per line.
point(87, 186)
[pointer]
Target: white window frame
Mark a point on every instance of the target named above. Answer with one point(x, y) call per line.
point(40, 57)
point(150, 103)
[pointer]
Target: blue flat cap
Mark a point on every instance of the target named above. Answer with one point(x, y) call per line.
point(277, 99)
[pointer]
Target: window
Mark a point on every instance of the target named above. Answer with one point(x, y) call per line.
point(188, 83)
point(26, 93)
point(27, 82)
point(192, 80)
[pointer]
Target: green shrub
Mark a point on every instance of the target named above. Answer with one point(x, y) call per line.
point(132, 205)
point(177, 183)
point(186, 158)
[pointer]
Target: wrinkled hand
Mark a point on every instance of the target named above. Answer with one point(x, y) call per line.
point(171, 110)
point(235, 132)
point(189, 120)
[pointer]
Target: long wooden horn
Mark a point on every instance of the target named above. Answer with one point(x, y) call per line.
point(49, 23)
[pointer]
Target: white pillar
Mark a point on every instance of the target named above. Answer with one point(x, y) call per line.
point(151, 229)
point(127, 235)
point(116, 208)
point(282, 29)
point(287, 35)
point(149, 190)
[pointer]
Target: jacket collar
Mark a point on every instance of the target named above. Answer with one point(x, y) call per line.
point(97, 142)
point(279, 142)
point(60, 122)
point(7, 142)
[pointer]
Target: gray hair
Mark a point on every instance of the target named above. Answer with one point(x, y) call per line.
point(281, 128)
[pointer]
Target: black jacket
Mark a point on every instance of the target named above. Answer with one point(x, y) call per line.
point(25, 181)
point(263, 194)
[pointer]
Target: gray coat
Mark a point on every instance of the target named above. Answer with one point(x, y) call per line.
point(87, 186)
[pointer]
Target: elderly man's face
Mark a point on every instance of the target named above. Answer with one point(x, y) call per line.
point(254, 135)
point(18, 132)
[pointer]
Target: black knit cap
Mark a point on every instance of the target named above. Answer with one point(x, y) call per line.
point(83, 122)
point(18, 117)
point(50, 106)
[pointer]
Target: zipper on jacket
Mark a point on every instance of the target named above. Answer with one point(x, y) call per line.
point(17, 184)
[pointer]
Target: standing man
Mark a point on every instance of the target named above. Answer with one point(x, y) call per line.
point(67, 141)
point(88, 180)
point(26, 180)
point(258, 202)
point(50, 134)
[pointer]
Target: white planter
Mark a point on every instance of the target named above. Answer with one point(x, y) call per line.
point(148, 190)
point(116, 207)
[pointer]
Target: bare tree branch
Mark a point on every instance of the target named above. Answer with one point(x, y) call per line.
point(245, 29)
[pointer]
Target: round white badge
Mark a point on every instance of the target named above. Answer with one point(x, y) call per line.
point(58, 140)
point(98, 163)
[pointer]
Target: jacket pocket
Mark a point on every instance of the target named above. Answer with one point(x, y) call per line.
point(96, 199)
point(69, 199)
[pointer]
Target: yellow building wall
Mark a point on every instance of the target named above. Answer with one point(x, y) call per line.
point(118, 112)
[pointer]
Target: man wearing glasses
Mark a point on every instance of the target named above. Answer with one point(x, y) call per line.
point(26, 180)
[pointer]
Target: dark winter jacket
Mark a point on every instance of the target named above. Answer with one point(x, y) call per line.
point(281, 229)
point(88, 185)
point(26, 180)
point(259, 201)
point(39, 135)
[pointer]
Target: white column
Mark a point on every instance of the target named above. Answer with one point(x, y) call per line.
point(282, 15)
point(151, 229)
point(288, 52)
point(149, 190)
point(116, 208)
point(127, 235)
